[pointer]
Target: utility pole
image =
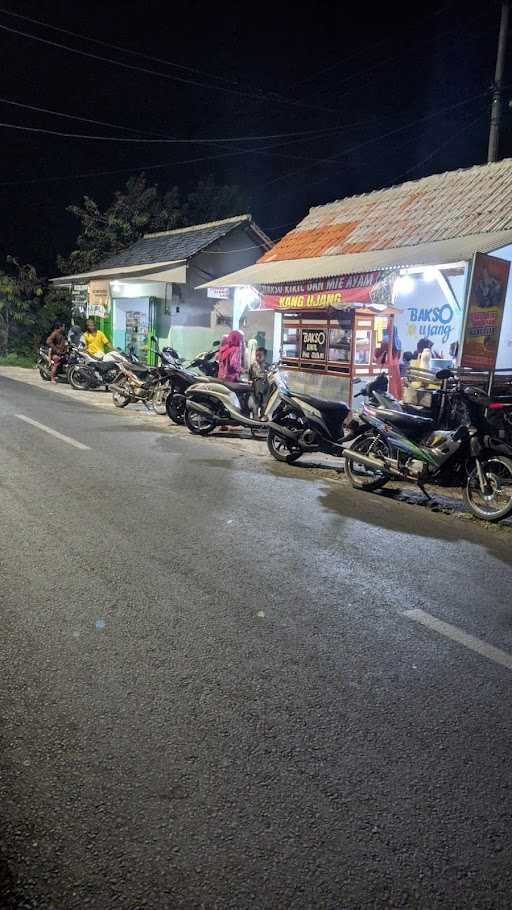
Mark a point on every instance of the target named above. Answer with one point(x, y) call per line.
point(494, 132)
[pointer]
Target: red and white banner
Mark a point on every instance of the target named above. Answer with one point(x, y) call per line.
point(324, 293)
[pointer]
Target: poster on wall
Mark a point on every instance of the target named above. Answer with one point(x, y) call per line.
point(98, 303)
point(80, 298)
point(426, 312)
point(484, 313)
point(313, 344)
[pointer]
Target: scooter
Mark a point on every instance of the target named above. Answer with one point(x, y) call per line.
point(303, 423)
point(219, 403)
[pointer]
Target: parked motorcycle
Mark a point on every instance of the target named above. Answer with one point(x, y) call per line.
point(89, 372)
point(219, 403)
point(206, 361)
point(139, 382)
point(182, 378)
point(452, 404)
point(44, 364)
point(395, 444)
point(304, 423)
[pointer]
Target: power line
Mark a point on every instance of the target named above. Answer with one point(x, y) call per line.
point(268, 96)
point(116, 47)
point(261, 150)
point(440, 147)
point(366, 142)
point(117, 126)
point(345, 60)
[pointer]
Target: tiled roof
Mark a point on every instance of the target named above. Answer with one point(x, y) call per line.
point(460, 203)
point(181, 244)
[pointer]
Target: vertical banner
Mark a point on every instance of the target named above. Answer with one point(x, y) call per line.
point(98, 303)
point(484, 312)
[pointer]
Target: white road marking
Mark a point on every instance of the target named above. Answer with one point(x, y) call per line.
point(41, 426)
point(456, 634)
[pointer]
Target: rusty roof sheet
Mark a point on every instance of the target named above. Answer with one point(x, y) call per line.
point(439, 252)
point(476, 200)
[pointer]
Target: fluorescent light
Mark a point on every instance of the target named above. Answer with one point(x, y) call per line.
point(404, 284)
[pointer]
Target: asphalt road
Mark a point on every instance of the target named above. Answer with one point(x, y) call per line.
point(211, 695)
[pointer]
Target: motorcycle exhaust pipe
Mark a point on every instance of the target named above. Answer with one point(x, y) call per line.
point(284, 432)
point(113, 387)
point(371, 462)
point(201, 409)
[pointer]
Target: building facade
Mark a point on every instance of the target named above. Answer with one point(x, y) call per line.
point(384, 269)
point(152, 288)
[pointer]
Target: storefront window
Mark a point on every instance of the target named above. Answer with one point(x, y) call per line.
point(291, 341)
point(363, 346)
point(340, 343)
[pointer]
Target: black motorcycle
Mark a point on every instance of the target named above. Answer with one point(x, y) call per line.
point(304, 423)
point(138, 382)
point(182, 378)
point(89, 372)
point(393, 444)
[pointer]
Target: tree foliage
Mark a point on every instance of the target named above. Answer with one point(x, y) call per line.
point(28, 308)
point(141, 209)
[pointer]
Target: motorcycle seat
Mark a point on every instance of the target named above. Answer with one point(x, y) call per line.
point(406, 421)
point(321, 404)
point(138, 367)
point(104, 365)
point(416, 410)
point(235, 386)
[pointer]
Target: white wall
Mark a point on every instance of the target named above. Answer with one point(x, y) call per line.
point(425, 312)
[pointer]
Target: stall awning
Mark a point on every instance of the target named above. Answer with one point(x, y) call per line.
point(439, 252)
point(158, 271)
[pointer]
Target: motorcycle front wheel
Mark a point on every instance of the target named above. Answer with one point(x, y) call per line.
point(44, 373)
point(78, 380)
point(175, 408)
point(281, 450)
point(197, 424)
point(495, 503)
point(364, 477)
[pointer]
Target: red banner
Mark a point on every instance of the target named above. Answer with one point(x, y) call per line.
point(321, 293)
point(320, 300)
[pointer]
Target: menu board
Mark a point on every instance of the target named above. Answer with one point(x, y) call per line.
point(313, 344)
point(484, 312)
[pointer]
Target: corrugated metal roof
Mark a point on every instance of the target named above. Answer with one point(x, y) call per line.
point(150, 272)
point(458, 249)
point(461, 203)
point(180, 244)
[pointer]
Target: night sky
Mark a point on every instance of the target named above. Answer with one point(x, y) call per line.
point(378, 93)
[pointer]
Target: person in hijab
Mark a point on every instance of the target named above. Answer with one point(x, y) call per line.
point(231, 357)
